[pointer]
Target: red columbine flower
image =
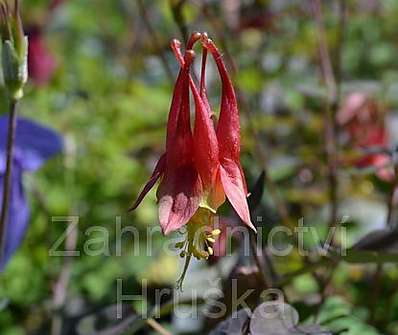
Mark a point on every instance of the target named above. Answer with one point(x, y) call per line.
point(217, 149)
point(201, 167)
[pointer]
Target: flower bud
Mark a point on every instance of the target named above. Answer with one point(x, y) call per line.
point(14, 50)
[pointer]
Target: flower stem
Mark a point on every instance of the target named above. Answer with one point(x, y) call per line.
point(12, 123)
point(180, 280)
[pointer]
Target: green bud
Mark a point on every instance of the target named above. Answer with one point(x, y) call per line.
point(14, 50)
point(15, 68)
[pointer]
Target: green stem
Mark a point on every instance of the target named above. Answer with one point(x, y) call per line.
point(184, 272)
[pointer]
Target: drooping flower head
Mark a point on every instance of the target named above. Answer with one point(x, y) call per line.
point(201, 166)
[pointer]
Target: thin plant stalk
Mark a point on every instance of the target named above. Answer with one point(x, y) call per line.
point(332, 78)
point(12, 124)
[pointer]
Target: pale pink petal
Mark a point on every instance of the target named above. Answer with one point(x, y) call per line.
point(179, 195)
point(233, 184)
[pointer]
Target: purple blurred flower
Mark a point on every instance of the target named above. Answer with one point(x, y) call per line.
point(34, 145)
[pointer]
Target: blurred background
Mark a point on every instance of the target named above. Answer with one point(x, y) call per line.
point(102, 74)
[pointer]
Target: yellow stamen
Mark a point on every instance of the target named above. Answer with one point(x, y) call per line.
point(216, 232)
point(198, 242)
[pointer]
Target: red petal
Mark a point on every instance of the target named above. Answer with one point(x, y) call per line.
point(203, 91)
point(157, 172)
point(232, 181)
point(179, 136)
point(179, 195)
point(176, 48)
point(228, 135)
point(205, 141)
point(228, 127)
point(179, 116)
point(216, 196)
point(180, 190)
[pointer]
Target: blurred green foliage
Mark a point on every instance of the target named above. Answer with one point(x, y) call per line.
point(109, 97)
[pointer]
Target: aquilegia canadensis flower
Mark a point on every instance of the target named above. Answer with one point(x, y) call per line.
point(201, 166)
point(34, 145)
